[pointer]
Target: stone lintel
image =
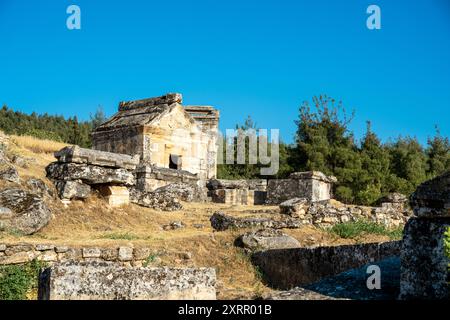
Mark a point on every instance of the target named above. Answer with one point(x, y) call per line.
point(76, 154)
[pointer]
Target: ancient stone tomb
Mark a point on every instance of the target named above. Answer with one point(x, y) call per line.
point(164, 134)
point(78, 171)
point(311, 185)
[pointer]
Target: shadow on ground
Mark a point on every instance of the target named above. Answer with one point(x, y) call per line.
point(352, 284)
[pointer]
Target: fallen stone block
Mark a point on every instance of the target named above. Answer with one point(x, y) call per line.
point(220, 221)
point(296, 207)
point(109, 281)
point(75, 154)
point(265, 239)
point(27, 211)
point(9, 174)
point(155, 200)
point(39, 187)
point(72, 190)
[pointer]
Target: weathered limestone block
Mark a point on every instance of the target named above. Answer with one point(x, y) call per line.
point(110, 254)
point(18, 258)
point(89, 174)
point(265, 239)
point(91, 252)
point(39, 187)
point(27, 211)
point(44, 247)
point(150, 178)
point(75, 154)
point(9, 174)
point(155, 200)
point(220, 221)
point(424, 265)
point(125, 254)
point(72, 190)
point(20, 247)
point(296, 207)
point(48, 256)
point(311, 185)
point(167, 99)
point(182, 191)
point(108, 281)
point(432, 198)
point(116, 196)
point(252, 184)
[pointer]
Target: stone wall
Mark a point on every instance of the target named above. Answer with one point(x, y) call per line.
point(108, 281)
point(50, 253)
point(312, 185)
point(288, 268)
point(150, 178)
point(238, 192)
point(325, 214)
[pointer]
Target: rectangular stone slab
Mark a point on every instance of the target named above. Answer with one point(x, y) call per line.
point(76, 154)
point(89, 174)
point(109, 281)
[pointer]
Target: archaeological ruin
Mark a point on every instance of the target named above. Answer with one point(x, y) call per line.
point(159, 154)
point(164, 134)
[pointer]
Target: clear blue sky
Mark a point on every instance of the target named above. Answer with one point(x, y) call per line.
point(260, 58)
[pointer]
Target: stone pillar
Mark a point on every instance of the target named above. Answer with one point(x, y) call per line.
point(424, 264)
point(143, 173)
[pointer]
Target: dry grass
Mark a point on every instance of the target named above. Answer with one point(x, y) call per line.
point(37, 145)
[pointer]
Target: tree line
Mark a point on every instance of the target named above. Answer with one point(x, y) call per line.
point(366, 170)
point(52, 127)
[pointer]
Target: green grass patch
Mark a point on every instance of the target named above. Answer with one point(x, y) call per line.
point(120, 236)
point(447, 242)
point(355, 229)
point(18, 280)
point(150, 259)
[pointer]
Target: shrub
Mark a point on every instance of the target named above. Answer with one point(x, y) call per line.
point(354, 229)
point(447, 242)
point(16, 281)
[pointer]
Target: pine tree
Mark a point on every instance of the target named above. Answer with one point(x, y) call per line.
point(438, 153)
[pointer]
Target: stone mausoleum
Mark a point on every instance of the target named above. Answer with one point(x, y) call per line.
point(164, 134)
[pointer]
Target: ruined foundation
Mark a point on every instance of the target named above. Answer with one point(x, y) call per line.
point(311, 185)
point(238, 192)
